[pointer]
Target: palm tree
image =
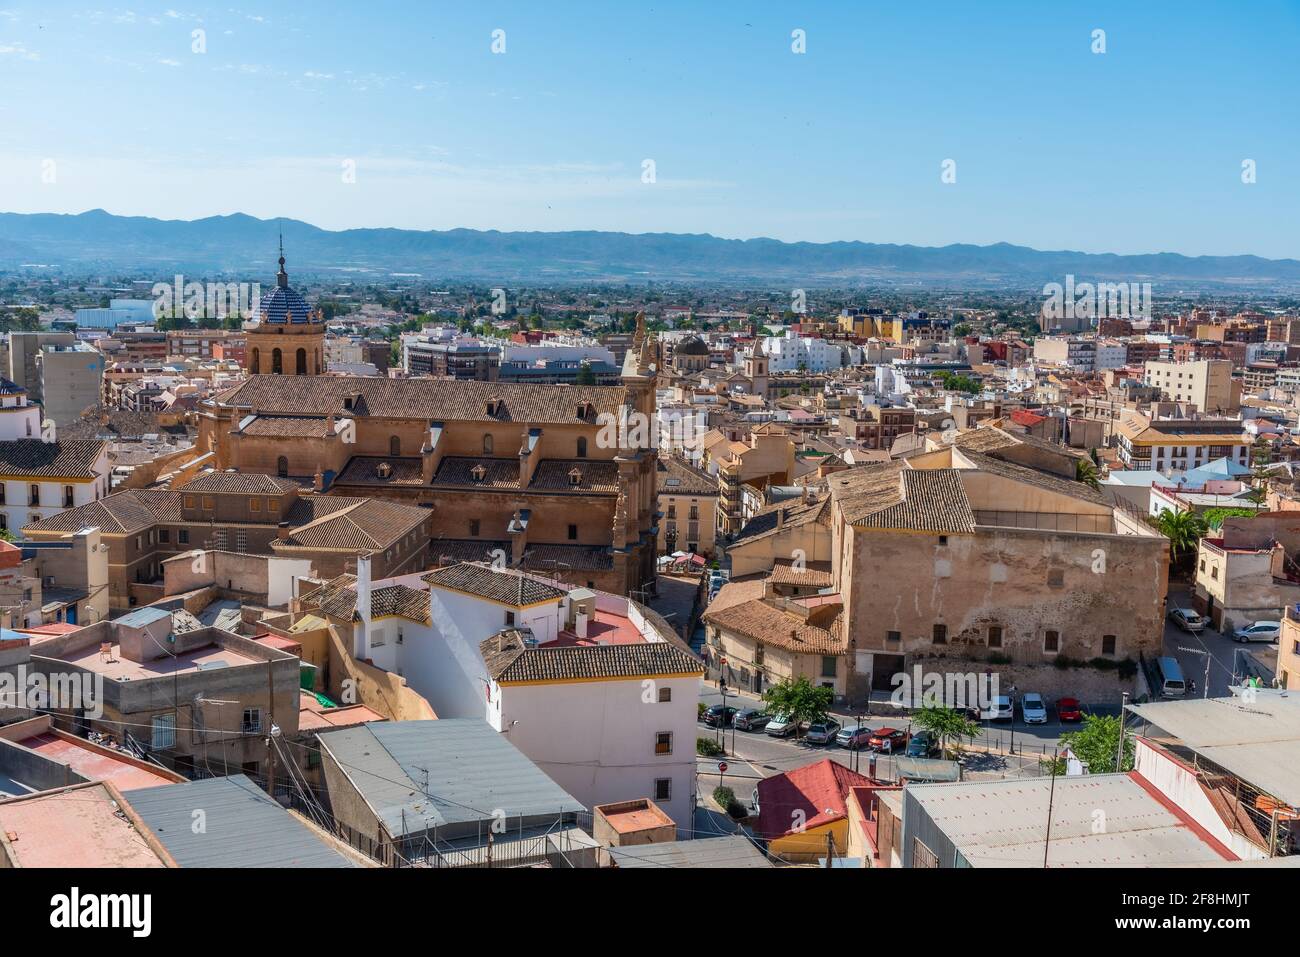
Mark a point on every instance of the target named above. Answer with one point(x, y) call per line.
point(1183, 529)
point(1086, 472)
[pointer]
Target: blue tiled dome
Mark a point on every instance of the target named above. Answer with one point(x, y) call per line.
point(283, 304)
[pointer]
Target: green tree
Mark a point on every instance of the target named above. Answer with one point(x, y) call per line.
point(946, 724)
point(801, 700)
point(1086, 472)
point(1096, 743)
point(1184, 530)
point(585, 376)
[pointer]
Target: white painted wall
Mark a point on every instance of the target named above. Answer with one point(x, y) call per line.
point(596, 739)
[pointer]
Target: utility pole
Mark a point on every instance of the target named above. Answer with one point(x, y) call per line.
point(1119, 753)
point(1051, 795)
point(830, 848)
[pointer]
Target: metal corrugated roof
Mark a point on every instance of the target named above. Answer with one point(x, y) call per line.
point(143, 616)
point(1004, 823)
point(1257, 741)
point(421, 774)
point(730, 851)
point(242, 826)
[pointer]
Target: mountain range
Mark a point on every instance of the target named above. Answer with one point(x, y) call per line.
point(244, 247)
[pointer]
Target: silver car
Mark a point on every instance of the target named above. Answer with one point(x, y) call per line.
point(1259, 631)
point(822, 732)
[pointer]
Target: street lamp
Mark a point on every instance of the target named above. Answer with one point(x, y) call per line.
point(1012, 748)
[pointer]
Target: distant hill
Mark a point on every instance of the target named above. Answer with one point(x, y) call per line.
point(245, 247)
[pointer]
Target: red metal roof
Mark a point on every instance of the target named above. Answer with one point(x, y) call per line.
point(818, 790)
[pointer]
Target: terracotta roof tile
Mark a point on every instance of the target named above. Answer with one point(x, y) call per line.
point(20, 458)
point(509, 659)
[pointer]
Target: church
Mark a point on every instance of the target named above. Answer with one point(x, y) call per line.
point(513, 473)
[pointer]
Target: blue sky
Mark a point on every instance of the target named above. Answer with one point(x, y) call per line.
point(1139, 149)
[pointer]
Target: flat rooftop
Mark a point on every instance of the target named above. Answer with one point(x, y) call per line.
point(1004, 823)
point(75, 827)
point(627, 817)
point(605, 628)
point(117, 668)
point(95, 764)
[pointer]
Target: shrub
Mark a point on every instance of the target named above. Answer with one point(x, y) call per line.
point(726, 799)
point(700, 708)
point(707, 747)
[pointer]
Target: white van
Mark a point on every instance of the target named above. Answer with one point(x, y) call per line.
point(1172, 683)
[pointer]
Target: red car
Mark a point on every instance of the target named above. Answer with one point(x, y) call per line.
point(1069, 709)
point(887, 740)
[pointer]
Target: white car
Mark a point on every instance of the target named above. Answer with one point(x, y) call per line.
point(1032, 708)
point(1260, 631)
point(999, 709)
point(1187, 620)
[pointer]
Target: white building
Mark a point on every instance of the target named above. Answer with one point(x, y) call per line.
point(794, 353)
point(607, 722)
point(610, 681)
point(40, 476)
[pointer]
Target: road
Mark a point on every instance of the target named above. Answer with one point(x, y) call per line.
point(1220, 649)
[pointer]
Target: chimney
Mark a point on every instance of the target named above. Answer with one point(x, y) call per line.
point(282, 531)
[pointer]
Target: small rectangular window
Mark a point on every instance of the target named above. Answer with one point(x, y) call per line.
point(1052, 641)
point(664, 742)
point(1107, 644)
point(893, 636)
point(663, 789)
point(829, 666)
point(510, 619)
point(940, 634)
point(164, 732)
point(665, 695)
point(252, 721)
point(573, 533)
point(995, 636)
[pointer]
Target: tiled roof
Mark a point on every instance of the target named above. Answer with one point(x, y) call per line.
point(504, 587)
point(401, 601)
point(497, 473)
point(558, 559)
point(764, 521)
point(762, 621)
point(71, 459)
point(450, 551)
point(128, 511)
point(893, 496)
point(431, 399)
point(595, 475)
point(813, 574)
point(293, 426)
point(362, 523)
point(245, 483)
point(675, 477)
point(508, 660)
point(365, 470)
point(1044, 480)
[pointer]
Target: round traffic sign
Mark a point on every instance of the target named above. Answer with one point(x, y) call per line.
point(722, 766)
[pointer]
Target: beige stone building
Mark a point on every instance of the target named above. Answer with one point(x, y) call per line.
point(969, 562)
point(688, 502)
point(1208, 384)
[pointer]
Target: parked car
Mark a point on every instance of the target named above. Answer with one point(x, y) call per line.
point(751, 720)
point(716, 715)
point(887, 740)
point(923, 745)
point(998, 710)
point(822, 732)
point(1032, 708)
point(853, 738)
point(1186, 619)
point(781, 726)
point(1069, 709)
point(1260, 631)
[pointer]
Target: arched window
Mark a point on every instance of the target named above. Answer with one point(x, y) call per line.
point(277, 367)
point(582, 447)
point(255, 366)
point(394, 446)
point(487, 444)
point(281, 465)
point(301, 364)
